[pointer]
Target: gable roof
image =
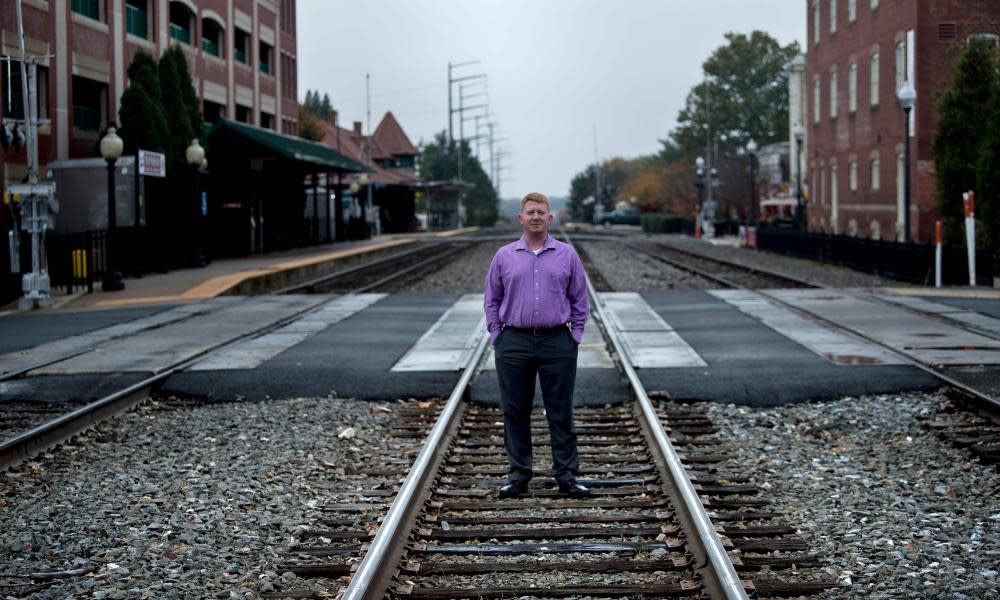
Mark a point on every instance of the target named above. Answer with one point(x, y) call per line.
point(391, 139)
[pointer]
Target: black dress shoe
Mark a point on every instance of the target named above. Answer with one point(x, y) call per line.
point(574, 489)
point(514, 489)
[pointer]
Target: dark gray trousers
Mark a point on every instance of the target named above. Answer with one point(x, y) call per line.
point(520, 358)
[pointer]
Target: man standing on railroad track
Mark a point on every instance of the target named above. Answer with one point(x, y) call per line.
point(536, 307)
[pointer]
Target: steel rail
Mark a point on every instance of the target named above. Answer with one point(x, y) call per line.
point(381, 560)
point(736, 265)
point(988, 402)
point(322, 279)
point(719, 572)
point(51, 433)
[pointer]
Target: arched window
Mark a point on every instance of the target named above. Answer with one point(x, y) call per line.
point(875, 174)
point(852, 175)
point(181, 23)
point(833, 94)
point(900, 64)
point(816, 100)
point(852, 87)
point(874, 78)
point(212, 37)
point(833, 16)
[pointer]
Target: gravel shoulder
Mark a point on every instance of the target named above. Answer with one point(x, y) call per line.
point(160, 508)
point(891, 510)
point(466, 274)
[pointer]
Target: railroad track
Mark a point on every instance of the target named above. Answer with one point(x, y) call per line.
point(654, 470)
point(979, 434)
point(27, 429)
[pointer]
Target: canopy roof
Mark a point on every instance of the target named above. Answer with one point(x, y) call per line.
point(290, 147)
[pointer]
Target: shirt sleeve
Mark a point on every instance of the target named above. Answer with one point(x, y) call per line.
point(579, 303)
point(493, 298)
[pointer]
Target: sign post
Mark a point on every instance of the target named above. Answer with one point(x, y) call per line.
point(969, 204)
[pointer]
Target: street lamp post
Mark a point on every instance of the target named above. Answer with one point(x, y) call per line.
point(799, 132)
point(111, 148)
point(195, 155)
point(907, 98)
point(699, 182)
point(752, 208)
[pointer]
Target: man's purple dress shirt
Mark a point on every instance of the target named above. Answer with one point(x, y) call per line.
point(528, 291)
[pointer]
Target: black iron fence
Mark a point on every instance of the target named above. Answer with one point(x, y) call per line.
point(906, 262)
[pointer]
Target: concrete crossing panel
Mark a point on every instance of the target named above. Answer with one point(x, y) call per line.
point(649, 341)
point(833, 345)
point(447, 345)
point(926, 340)
point(251, 353)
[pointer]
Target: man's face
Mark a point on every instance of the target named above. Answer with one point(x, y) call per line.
point(535, 217)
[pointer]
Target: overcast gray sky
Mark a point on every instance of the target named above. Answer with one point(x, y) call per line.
point(556, 69)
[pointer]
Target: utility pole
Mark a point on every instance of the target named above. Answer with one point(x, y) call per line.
point(598, 179)
point(39, 197)
point(375, 218)
point(453, 80)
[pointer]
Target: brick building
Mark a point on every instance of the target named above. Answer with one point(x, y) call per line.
point(859, 53)
point(241, 55)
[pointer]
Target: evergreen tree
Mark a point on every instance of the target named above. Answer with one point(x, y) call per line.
point(325, 108)
point(309, 100)
point(958, 141)
point(142, 121)
point(988, 179)
point(175, 107)
point(439, 161)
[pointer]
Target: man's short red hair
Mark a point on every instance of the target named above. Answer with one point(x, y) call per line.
point(536, 197)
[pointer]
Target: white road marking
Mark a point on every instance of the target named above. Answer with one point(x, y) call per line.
point(835, 346)
point(251, 353)
point(649, 341)
point(926, 340)
point(447, 344)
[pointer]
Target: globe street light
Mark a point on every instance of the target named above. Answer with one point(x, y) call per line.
point(752, 208)
point(799, 132)
point(907, 98)
point(195, 154)
point(111, 148)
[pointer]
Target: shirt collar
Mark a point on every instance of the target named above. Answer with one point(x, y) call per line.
point(523, 245)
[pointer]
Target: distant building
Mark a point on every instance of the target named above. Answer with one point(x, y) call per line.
point(859, 53)
point(241, 54)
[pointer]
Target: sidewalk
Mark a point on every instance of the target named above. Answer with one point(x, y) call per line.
point(189, 285)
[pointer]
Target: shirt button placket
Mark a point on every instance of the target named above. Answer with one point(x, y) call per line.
point(535, 320)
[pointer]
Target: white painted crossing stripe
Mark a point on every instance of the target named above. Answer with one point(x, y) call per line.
point(593, 352)
point(835, 346)
point(962, 315)
point(180, 341)
point(649, 342)
point(445, 346)
point(251, 353)
point(22, 359)
point(926, 340)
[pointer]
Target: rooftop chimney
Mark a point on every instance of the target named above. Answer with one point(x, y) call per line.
point(332, 117)
point(357, 127)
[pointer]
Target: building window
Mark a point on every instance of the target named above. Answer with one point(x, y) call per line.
point(833, 16)
point(13, 107)
point(289, 84)
point(816, 100)
point(266, 120)
point(816, 26)
point(241, 46)
point(137, 18)
point(88, 8)
point(834, 191)
point(266, 58)
point(875, 174)
point(873, 88)
point(833, 95)
point(874, 4)
point(212, 37)
point(852, 175)
point(990, 38)
point(288, 16)
point(822, 186)
point(244, 114)
point(852, 88)
point(90, 104)
point(900, 64)
point(181, 23)
point(211, 111)
point(852, 11)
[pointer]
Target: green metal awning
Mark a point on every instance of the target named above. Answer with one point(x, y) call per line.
point(291, 147)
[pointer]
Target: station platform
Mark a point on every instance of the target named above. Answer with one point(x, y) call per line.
point(223, 275)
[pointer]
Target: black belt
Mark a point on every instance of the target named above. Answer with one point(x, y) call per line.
point(537, 330)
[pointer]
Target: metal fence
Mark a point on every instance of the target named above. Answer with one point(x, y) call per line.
point(906, 262)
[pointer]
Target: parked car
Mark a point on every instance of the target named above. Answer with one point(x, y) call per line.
point(621, 216)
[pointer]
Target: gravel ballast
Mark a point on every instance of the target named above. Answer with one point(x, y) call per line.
point(891, 510)
point(180, 502)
